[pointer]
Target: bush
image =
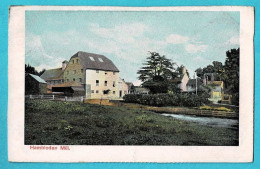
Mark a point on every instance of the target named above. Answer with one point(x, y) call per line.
point(187, 100)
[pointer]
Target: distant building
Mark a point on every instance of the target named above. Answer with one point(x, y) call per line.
point(191, 85)
point(182, 80)
point(123, 87)
point(131, 87)
point(55, 76)
point(34, 84)
point(217, 91)
point(141, 90)
point(208, 77)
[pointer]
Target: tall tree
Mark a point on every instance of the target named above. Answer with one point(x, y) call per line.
point(155, 73)
point(231, 70)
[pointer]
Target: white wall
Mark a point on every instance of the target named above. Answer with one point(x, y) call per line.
point(102, 76)
point(123, 87)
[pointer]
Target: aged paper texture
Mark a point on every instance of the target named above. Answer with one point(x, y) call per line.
point(130, 84)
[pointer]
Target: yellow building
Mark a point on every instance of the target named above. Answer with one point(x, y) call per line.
point(216, 90)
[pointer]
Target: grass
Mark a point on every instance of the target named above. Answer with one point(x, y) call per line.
point(70, 123)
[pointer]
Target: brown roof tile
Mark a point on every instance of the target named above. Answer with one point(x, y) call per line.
point(68, 84)
point(52, 74)
point(87, 63)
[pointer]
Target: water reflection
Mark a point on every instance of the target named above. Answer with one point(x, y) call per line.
point(208, 121)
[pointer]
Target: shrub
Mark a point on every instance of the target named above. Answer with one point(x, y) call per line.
point(132, 98)
point(187, 100)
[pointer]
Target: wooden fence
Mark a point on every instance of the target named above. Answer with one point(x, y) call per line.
point(56, 97)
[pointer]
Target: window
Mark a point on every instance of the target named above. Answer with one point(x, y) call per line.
point(114, 73)
point(97, 71)
point(114, 84)
point(74, 71)
point(114, 92)
point(105, 72)
point(105, 83)
point(72, 61)
point(92, 91)
point(73, 79)
point(80, 80)
point(77, 61)
point(81, 70)
point(100, 59)
point(91, 58)
point(67, 72)
point(96, 91)
point(97, 82)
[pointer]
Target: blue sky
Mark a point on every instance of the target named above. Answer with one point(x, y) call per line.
point(192, 39)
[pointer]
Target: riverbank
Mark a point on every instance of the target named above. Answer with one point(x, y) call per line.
point(71, 123)
point(171, 110)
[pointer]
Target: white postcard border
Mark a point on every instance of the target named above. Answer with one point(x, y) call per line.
point(18, 152)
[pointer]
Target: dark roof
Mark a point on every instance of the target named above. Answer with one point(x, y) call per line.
point(68, 84)
point(37, 78)
point(52, 74)
point(193, 82)
point(87, 63)
point(129, 84)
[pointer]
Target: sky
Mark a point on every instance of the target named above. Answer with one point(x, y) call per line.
point(192, 39)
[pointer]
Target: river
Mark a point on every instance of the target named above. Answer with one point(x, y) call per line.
point(207, 121)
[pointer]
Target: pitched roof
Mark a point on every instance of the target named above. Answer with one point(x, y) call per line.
point(37, 78)
point(52, 74)
point(215, 82)
point(95, 61)
point(68, 84)
point(129, 84)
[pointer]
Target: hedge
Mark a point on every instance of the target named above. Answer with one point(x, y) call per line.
point(186, 100)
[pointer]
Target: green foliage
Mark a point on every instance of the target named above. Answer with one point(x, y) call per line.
point(228, 73)
point(155, 73)
point(30, 69)
point(187, 100)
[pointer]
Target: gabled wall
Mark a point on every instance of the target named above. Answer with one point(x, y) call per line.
point(69, 74)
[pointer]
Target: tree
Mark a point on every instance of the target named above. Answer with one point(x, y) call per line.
point(156, 72)
point(231, 70)
point(30, 69)
point(228, 73)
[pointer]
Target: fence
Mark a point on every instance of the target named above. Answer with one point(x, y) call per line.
point(56, 97)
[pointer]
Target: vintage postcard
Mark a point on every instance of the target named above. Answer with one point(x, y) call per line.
point(130, 84)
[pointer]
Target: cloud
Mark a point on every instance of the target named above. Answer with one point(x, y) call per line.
point(199, 59)
point(56, 62)
point(177, 39)
point(191, 48)
point(125, 33)
point(191, 45)
point(233, 41)
point(35, 48)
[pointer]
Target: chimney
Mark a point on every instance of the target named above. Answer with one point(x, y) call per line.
point(184, 70)
point(64, 64)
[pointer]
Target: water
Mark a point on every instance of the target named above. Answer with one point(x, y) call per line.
point(207, 121)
